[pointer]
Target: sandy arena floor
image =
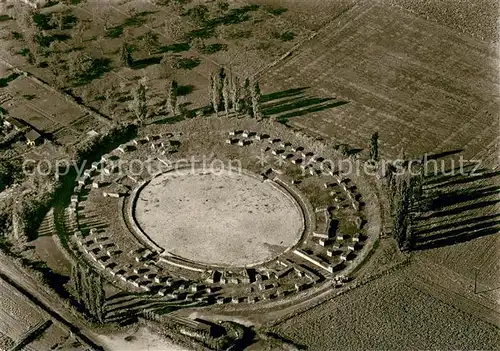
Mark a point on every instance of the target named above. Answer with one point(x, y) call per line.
point(221, 218)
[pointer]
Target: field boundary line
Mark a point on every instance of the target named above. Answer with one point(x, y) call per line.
point(450, 296)
point(97, 115)
point(311, 37)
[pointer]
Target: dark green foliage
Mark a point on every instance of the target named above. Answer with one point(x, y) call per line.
point(187, 63)
point(405, 191)
point(134, 21)
point(234, 16)
point(275, 11)
point(5, 81)
point(183, 90)
point(213, 48)
point(240, 34)
point(126, 55)
point(10, 170)
point(50, 3)
point(69, 21)
point(42, 21)
point(178, 47)
point(202, 33)
point(222, 6)
point(91, 69)
point(186, 112)
point(198, 14)
point(89, 291)
point(140, 103)
point(93, 147)
point(46, 40)
point(114, 32)
point(24, 52)
point(172, 97)
point(16, 35)
point(374, 146)
point(285, 36)
point(256, 97)
point(4, 18)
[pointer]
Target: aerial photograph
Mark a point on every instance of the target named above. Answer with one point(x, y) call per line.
point(182, 175)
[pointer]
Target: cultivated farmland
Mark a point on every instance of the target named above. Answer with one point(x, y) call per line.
point(423, 87)
point(387, 314)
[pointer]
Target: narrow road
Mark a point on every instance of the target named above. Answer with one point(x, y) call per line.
point(50, 304)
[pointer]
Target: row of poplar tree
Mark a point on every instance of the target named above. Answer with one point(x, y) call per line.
point(405, 192)
point(89, 291)
point(228, 95)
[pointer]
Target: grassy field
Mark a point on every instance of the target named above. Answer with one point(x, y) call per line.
point(388, 314)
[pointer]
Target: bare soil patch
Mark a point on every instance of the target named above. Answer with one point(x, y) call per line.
point(221, 217)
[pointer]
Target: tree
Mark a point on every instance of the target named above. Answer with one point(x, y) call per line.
point(220, 85)
point(172, 97)
point(139, 105)
point(374, 146)
point(222, 6)
point(89, 291)
point(235, 94)
point(80, 30)
point(76, 279)
point(225, 94)
point(150, 40)
point(198, 14)
point(80, 65)
point(198, 44)
point(24, 17)
point(98, 298)
point(256, 97)
point(126, 55)
point(214, 78)
point(57, 20)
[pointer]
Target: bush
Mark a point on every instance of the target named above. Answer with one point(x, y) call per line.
point(42, 21)
point(187, 63)
point(9, 172)
point(285, 36)
point(92, 147)
point(213, 48)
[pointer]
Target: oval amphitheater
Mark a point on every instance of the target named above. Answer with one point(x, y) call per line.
point(269, 228)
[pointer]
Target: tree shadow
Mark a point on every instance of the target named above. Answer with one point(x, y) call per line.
point(183, 90)
point(99, 67)
point(234, 16)
point(283, 94)
point(443, 154)
point(447, 213)
point(177, 47)
point(294, 102)
point(139, 64)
